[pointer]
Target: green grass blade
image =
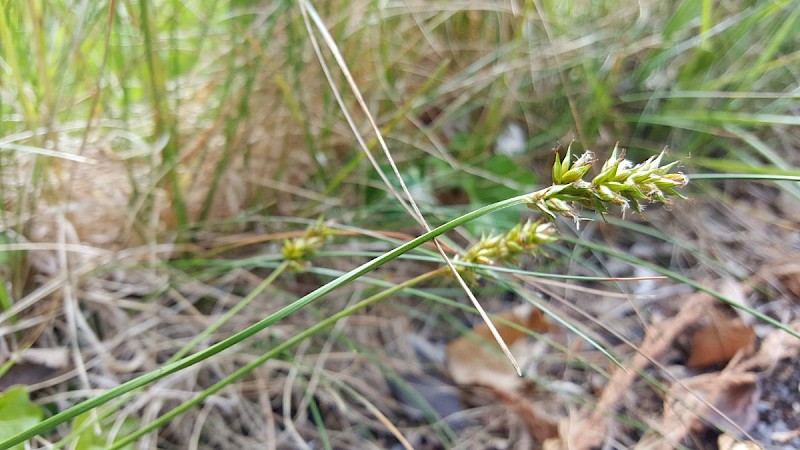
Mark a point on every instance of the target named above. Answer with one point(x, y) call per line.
point(744, 176)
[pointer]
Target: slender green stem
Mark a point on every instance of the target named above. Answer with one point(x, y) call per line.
point(232, 312)
point(743, 176)
point(274, 352)
point(168, 369)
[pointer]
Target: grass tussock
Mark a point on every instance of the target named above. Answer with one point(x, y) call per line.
point(179, 177)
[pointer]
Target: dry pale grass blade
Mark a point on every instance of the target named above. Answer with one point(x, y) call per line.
point(288, 390)
point(45, 262)
point(32, 298)
point(74, 315)
point(384, 420)
point(318, 370)
point(265, 405)
point(310, 15)
point(200, 420)
point(309, 11)
point(48, 153)
point(540, 281)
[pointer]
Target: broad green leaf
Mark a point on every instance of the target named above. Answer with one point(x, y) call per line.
point(17, 413)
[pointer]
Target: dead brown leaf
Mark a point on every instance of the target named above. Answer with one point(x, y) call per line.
point(473, 359)
point(525, 315)
point(718, 341)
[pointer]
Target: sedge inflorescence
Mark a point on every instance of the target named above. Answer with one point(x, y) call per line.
point(620, 182)
point(298, 250)
point(496, 249)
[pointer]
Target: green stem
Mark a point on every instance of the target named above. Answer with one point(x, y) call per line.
point(272, 353)
point(86, 405)
point(743, 176)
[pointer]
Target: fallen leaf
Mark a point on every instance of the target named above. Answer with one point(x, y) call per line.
point(527, 316)
point(784, 272)
point(55, 357)
point(718, 341)
point(792, 283)
point(474, 358)
point(724, 400)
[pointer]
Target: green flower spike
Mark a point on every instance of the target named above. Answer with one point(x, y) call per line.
point(500, 249)
point(619, 182)
point(298, 250)
point(566, 172)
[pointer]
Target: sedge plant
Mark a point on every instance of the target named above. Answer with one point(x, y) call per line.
point(619, 182)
